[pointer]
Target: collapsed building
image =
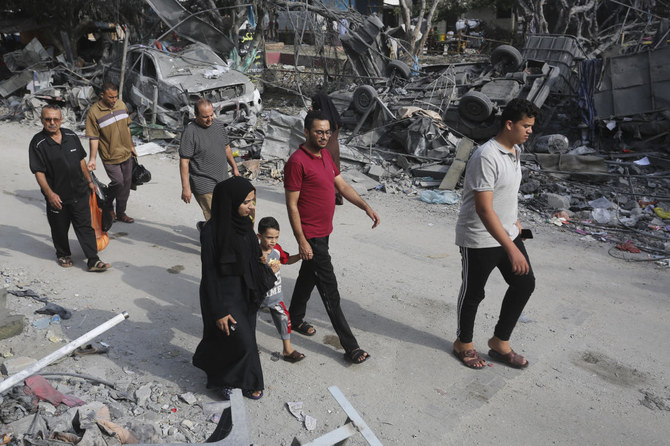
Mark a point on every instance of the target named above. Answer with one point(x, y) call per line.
point(597, 163)
point(407, 126)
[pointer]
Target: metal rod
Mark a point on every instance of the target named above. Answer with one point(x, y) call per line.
point(162, 36)
point(61, 352)
point(123, 63)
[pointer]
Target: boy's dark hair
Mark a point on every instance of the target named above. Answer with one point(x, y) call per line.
point(266, 223)
point(315, 115)
point(516, 109)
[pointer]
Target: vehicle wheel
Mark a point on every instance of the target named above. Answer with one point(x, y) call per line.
point(398, 68)
point(364, 98)
point(506, 59)
point(475, 106)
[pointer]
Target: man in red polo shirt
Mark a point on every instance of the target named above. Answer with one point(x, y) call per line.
point(310, 181)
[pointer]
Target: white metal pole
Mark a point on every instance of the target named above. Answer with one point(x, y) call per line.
point(63, 351)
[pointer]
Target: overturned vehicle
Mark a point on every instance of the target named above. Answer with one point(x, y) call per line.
point(468, 96)
point(163, 86)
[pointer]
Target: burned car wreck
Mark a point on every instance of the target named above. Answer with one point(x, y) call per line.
point(163, 86)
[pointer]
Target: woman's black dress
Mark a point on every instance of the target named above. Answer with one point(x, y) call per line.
point(229, 361)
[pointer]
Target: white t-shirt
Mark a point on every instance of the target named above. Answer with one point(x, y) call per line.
point(491, 168)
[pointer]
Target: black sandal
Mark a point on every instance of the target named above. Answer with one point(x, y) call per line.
point(357, 356)
point(304, 328)
point(99, 267)
point(65, 262)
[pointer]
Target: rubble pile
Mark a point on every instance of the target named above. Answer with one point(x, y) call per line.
point(407, 127)
point(65, 404)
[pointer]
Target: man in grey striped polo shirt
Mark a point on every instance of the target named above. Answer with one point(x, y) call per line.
point(204, 151)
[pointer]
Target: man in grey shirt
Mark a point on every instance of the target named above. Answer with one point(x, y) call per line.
point(204, 151)
point(488, 234)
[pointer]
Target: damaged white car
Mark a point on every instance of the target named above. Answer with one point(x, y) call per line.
point(163, 86)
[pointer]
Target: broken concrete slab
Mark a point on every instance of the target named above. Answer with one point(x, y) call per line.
point(463, 152)
point(376, 172)
point(10, 325)
point(11, 366)
point(435, 171)
point(355, 177)
point(556, 201)
point(283, 134)
point(15, 83)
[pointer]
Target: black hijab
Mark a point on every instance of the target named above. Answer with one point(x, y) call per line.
point(228, 226)
point(235, 243)
point(321, 101)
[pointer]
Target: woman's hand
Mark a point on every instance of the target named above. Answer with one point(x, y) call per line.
point(263, 259)
point(225, 323)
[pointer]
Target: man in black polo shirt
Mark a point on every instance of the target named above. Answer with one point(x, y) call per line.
point(57, 160)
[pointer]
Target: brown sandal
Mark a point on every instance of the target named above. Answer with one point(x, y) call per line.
point(125, 219)
point(470, 358)
point(512, 359)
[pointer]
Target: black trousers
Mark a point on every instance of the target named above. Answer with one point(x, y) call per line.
point(478, 263)
point(319, 271)
point(78, 213)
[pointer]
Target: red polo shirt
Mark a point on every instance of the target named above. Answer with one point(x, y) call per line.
point(314, 177)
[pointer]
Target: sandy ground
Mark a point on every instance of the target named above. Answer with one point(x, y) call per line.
point(593, 331)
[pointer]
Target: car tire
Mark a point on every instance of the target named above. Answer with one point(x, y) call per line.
point(364, 98)
point(506, 59)
point(398, 68)
point(475, 106)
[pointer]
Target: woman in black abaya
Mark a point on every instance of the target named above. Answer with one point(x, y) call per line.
point(232, 286)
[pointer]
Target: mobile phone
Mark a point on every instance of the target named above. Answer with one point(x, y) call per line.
point(526, 234)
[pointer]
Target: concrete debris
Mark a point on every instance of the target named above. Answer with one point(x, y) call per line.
point(15, 364)
point(597, 163)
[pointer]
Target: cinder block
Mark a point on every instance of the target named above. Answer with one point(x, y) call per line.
point(14, 365)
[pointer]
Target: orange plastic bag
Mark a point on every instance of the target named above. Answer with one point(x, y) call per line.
point(101, 238)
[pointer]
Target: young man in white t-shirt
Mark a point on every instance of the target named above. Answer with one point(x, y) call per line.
point(488, 233)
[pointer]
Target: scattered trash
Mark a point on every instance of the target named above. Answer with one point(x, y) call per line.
point(296, 410)
point(439, 197)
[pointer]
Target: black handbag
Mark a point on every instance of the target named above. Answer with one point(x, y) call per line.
point(140, 174)
point(105, 202)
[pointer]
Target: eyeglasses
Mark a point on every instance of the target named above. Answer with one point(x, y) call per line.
point(51, 119)
point(323, 132)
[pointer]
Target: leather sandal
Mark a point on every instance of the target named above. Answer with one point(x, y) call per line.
point(125, 219)
point(471, 359)
point(512, 359)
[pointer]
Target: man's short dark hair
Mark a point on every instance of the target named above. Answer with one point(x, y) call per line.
point(516, 109)
point(199, 103)
point(315, 115)
point(109, 86)
point(51, 107)
point(266, 223)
